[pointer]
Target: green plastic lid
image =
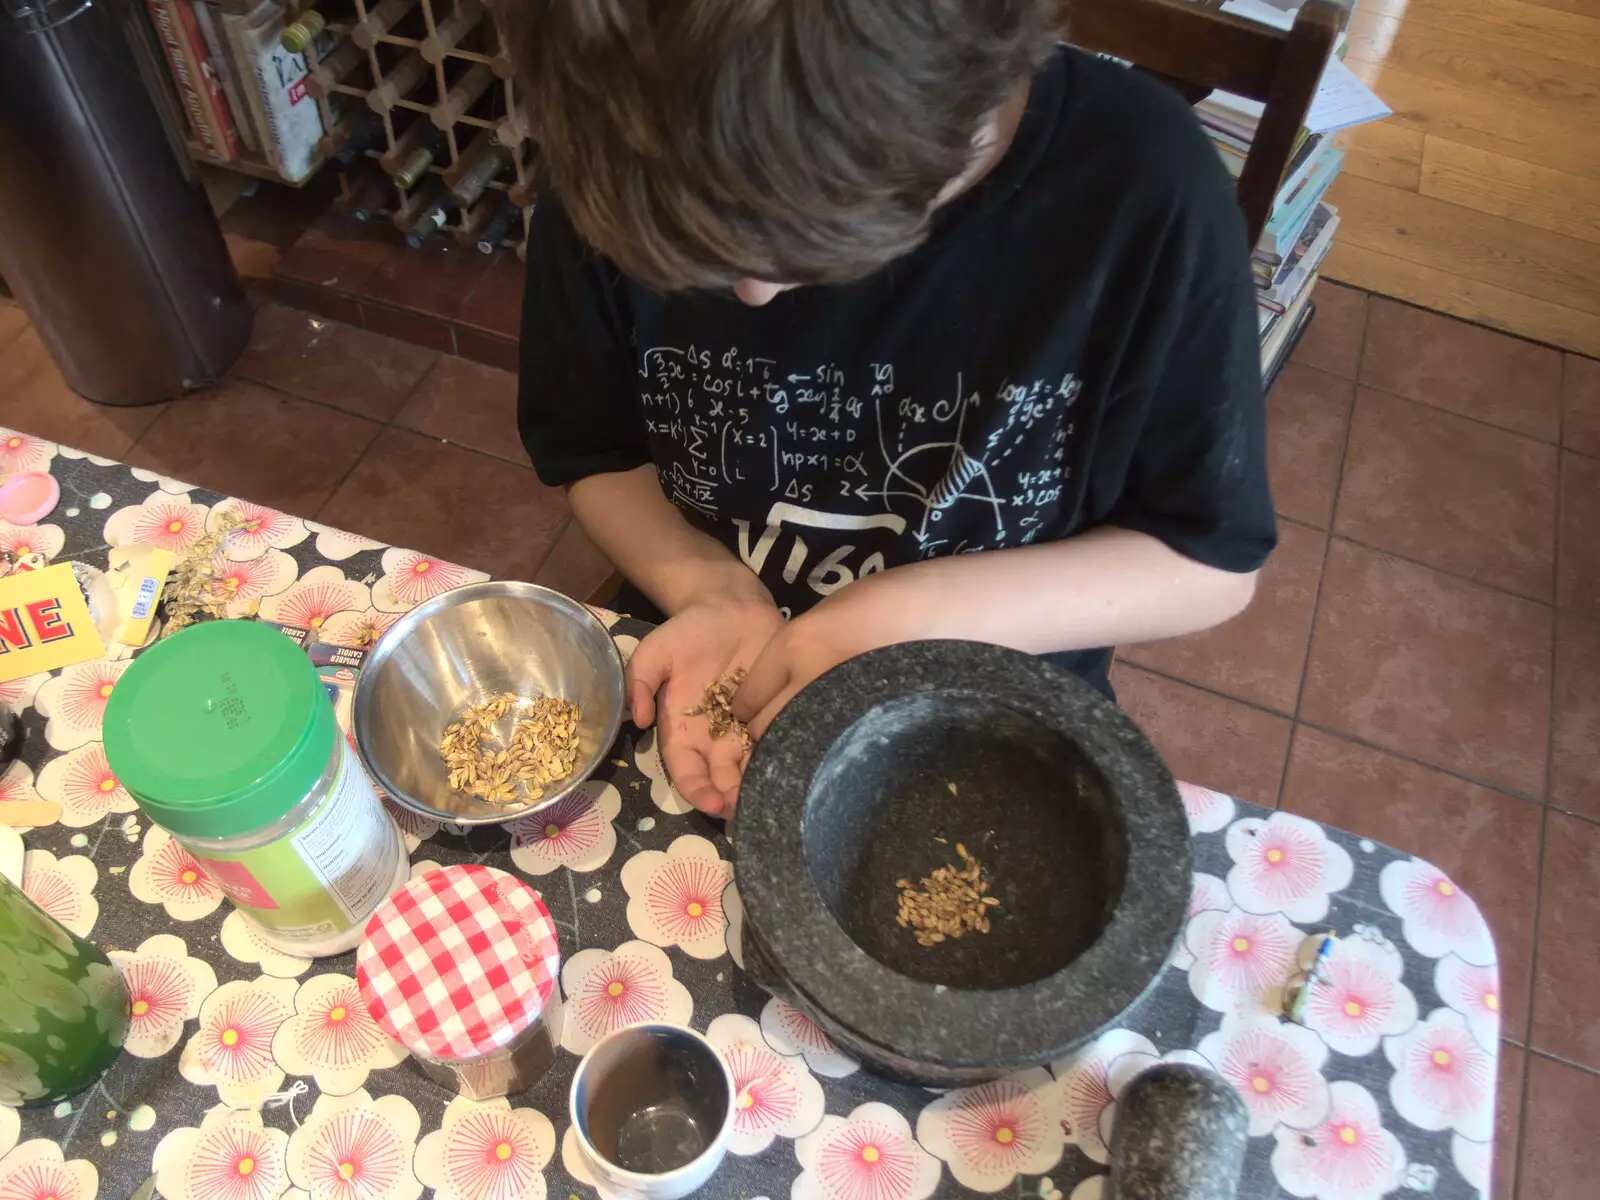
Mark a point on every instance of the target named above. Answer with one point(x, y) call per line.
point(220, 729)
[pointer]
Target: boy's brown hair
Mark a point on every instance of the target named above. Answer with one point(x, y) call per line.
point(698, 142)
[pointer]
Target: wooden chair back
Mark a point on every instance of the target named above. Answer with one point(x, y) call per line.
point(1190, 44)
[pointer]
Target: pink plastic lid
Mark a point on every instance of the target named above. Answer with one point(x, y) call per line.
point(28, 498)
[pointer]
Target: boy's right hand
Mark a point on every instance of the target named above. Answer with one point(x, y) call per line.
point(702, 642)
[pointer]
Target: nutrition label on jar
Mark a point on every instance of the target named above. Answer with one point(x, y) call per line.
point(353, 859)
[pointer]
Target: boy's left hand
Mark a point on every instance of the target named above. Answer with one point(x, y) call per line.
point(839, 628)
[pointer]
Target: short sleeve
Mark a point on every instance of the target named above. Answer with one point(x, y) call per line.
point(577, 407)
point(1197, 470)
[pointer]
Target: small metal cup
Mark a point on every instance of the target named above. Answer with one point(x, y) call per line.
point(652, 1108)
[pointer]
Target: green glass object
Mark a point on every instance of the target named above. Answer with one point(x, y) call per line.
point(63, 1007)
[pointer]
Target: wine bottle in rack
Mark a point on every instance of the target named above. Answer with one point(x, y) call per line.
point(420, 158)
point(303, 30)
point(380, 20)
point(334, 68)
point(432, 216)
point(399, 82)
point(450, 31)
point(372, 192)
point(485, 160)
point(499, 228)
point(364, 132)
point(462, 96)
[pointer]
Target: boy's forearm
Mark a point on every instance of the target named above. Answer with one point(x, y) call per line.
point(1106, 587)
point(649, 541)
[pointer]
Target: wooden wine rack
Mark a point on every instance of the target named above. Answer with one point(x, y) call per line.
point(410, 81)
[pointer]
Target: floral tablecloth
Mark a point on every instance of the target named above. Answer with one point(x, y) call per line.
point(249, 1074)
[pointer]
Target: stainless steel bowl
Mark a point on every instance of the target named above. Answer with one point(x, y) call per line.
point(478, 641)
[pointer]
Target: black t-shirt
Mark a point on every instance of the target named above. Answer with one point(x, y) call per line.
point(1074, 345)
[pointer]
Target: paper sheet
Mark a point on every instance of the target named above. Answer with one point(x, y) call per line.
point(1342, 100)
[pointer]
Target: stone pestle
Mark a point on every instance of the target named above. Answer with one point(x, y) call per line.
point(1181, 1133)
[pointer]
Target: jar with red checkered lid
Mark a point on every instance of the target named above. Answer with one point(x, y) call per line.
point(460, 966)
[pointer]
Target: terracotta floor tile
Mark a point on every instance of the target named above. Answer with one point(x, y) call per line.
point(1484, 840)
point(1432, 666)
point(1507, 1119)
point(1560, 1153)
point(575, 566)
point(1308, 412)
point(467, 402)
point(1580, 405)
point(419, 329)
point(1261, 655)
point(1333, 339)
point(252, 259)
point(484, 512)
point(487, 348)
point(12, 321)
point(35, 399)
point(496, 303)
point(1207, 739)
point(1456, 494)
point(339, 252)
point(338, 364)
point(1566, 986)
point(1575, 746)
point(247, 440)
point(434, 280)
point(278, 214)
point(1578, 539)
point(1463, 368)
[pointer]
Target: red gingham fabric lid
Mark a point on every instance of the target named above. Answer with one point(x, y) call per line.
point(459, 961)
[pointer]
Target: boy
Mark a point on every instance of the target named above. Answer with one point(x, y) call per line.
point(893, 294)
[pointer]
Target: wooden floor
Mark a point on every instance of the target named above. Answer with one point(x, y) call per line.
point(1481, 195)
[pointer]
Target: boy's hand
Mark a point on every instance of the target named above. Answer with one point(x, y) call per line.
point(667, 676)
point(844, 625)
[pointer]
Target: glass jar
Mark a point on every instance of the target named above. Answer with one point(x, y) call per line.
point(226, 738)
point(63, 1007)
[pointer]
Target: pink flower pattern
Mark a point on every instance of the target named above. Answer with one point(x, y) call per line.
point(1276, 1067)
point(232, 1049)
point(1242, 960)
point(990, 1134)
point(789, 1032)
point(1474, 992)
point(1359, 998)
point(870, 1155)
point(1443, 1079)
point(23, 540)
point(358, 630)
point(774, 1096)
point(315, 598)
point(1348, 1156)
point(63, 888)
point(487, 1151)
point(263, 528)
point(21, 452)
point(575, 832)
point(675, 898)
point(232, 1156)
point(82, 782)
point(1208, 892)
point(1088, 1082)
point(165, 988)
point(75, 702)
point(1285, 864)
point(606, 990)
point(241, 583)
point(164, 521)
point(332, 1036)
point(1439, 918)
point(357, 1148)
point(410, 578)
point(36, 1171)
point(1207, 811)
point(168, 875)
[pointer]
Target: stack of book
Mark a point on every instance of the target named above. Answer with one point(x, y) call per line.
point(1301, 229)
point(243, 93)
